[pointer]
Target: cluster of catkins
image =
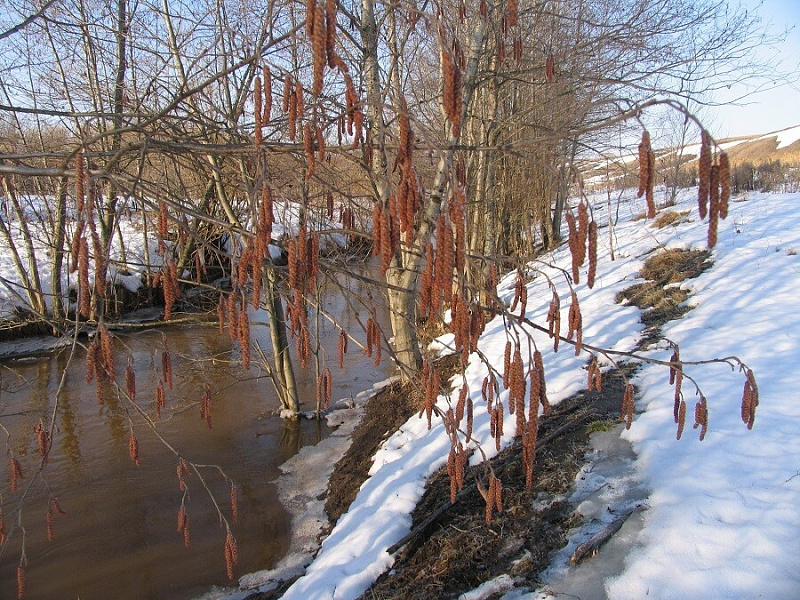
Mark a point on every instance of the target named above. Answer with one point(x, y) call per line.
point(582, 237)
point(437, 277)
point(647, 173)
point(714, 186)
point(79, 248)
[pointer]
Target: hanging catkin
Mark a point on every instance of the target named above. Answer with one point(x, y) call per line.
point(724, 183)
point(257, 110)
point(704, 173)
point(320, 35)
point(644, 163)
point(331, 7)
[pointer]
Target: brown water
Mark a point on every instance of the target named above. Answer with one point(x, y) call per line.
point(119, 539)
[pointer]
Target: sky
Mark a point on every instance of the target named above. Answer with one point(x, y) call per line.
point(777, 105)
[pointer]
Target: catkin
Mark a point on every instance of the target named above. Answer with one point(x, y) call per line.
point(550, 68)
point(749, 400)
point(644, 163)
point(626, 410)
point(133, 448)
point(704, 173)
point(20, 582)
point(701, 417)
point(130, 381)
point(342, 347)
point(166, 366)
point(681, 419)
point(16, 473)
point(231, 554)
point(107, 351)
point(331, 7)
point(257, 110)
point(724, 183)
point(591, 273)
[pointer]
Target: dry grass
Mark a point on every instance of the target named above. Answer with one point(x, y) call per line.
point(669, 217)
point(660, 300)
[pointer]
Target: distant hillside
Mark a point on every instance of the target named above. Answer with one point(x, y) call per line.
point(783, 145)
point(754, 159)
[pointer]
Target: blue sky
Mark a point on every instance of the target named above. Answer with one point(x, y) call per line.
point(777, 105)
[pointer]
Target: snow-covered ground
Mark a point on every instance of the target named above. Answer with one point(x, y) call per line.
point(721, 518)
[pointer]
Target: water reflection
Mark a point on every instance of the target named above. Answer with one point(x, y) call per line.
point(120, 538)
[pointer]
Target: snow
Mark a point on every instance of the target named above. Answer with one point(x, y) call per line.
point(720, 516)
point(786, 137)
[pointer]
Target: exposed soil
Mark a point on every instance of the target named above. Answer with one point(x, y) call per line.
point(385, 413)
point(451, 549)
point(457, 550)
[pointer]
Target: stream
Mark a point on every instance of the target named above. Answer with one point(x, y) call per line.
point(119, 538)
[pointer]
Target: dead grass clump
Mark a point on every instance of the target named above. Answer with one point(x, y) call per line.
point(673, 266)
point(669, 217)
point(660, 300)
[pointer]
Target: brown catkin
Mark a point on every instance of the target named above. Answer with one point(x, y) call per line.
point(231, 555)
point(299, 96)
point(342, 347)
point(626, 410)
point(681, 419)
point(166, 366)
point(644, 163)
point(583, 232)
point(287, 91)
point(221, 309)
point(331, 7)
point(91, 365)
point(701, 417)
point(20, 582)
point(592, 272)
point(328, 388)
point(181, 518)
point(490, 498)
point(234, 503)
point(133, 448)
point(130, 381)
point(550, 68)
point(15, 469)
point(161, 399)
point(678, 385)
point(749, 400)
point(651, 178)
point(107, 348)
point(724, 184)
point(257, 110)
point(704, 173)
